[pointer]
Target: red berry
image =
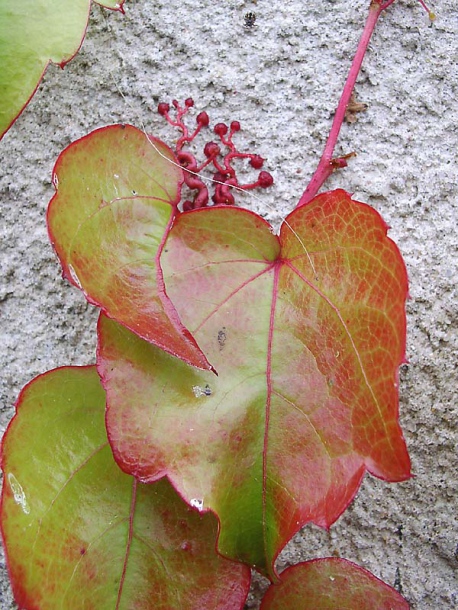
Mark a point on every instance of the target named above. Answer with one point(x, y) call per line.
point(265, 180)
point(220, 129)
point(163, 108)
point(256, 161)
point(203, 119)
point(211, 149)
point(235, 126)
point(189, 102)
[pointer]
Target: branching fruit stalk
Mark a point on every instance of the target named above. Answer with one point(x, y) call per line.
point(328, 164)
point(225, 177)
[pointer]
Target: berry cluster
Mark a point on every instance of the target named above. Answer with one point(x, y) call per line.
point(224, 178)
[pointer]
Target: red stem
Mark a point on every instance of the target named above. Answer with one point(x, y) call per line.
point(326, 165)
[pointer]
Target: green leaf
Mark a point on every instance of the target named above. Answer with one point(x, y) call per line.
point(116, 198)
point(331, 584)
point(34, 33)
point(306, 331)
point(79, 533)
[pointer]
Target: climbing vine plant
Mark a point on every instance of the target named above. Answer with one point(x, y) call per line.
point(245, 381)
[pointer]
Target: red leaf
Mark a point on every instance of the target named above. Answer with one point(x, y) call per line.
point(331, 584)
point(306, 331)
point(116, 198)
point(79, 533)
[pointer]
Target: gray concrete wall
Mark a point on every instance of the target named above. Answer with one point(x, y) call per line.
point(282, 80)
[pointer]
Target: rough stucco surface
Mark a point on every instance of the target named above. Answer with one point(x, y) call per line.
point(282, 80)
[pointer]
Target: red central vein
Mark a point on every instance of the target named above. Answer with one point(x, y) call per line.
point(129, 541)
point(277, 268)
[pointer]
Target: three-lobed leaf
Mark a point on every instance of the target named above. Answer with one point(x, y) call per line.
point(34, 33)
point(306, 332)
point(79, 533)
point(331, 584)
point(117, 191)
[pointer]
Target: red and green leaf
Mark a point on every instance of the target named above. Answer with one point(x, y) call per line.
point(306, 331)
point(79, 533)
point(34, 33)
point(117, 192)
point(331, 584)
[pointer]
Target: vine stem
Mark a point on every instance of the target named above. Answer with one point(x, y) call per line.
point(328, 164)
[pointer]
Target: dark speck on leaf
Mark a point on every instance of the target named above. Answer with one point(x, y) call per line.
point(222, 337)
